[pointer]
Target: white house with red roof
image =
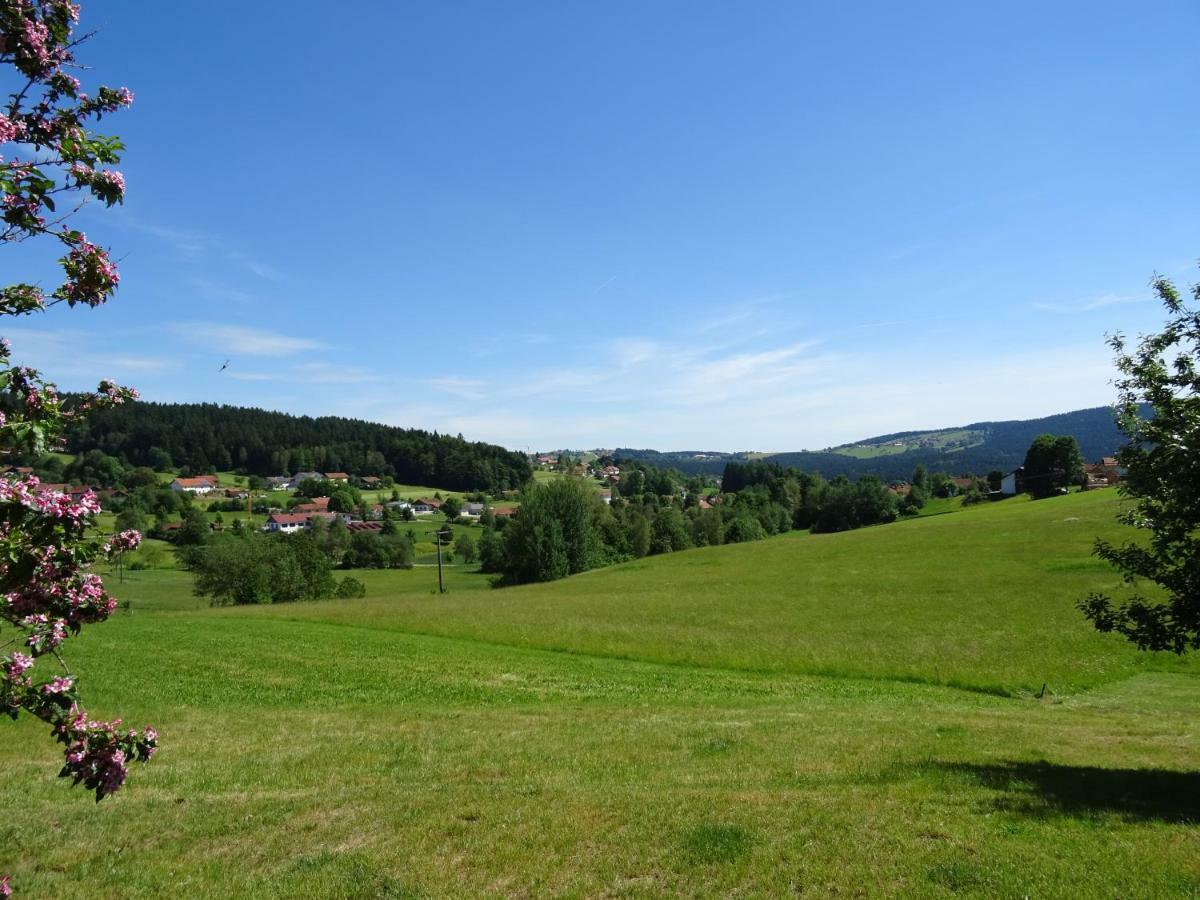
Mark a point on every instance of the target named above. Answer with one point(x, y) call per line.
point(286, 523)
point(201, 484)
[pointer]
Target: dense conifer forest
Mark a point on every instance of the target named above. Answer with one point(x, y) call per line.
point(204, 437)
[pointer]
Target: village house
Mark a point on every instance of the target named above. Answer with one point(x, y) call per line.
point(305, 476)
point(1105, 473)
point(200, 484)
point(1010, 484)
point(286, 523)
point(475, 510)
point(504, 512)
point(340, 477)
point(371, 481)
point(606, 495)
point(279, 482)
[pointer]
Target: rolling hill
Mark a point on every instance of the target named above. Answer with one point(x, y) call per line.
point(802, 716)
point(967, 449)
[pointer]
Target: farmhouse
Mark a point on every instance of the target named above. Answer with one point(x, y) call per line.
point(340, 477)
point(472, 509)
point(306, 476)
point(1104, 473)
point(1010, 484)
point(286, 523)
point(201, 484)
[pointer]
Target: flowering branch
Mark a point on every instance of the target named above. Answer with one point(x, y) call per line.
point(48, 539)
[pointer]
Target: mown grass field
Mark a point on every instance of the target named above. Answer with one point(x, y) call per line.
point(850, 714)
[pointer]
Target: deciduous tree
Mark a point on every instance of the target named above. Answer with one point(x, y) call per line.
point(1162, 478)
point(1052, 464)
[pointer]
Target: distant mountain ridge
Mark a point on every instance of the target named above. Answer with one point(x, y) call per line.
point(977, 448)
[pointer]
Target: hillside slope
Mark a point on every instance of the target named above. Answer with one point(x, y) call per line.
point(982, 599)
point(977, 448)
point(208, 436)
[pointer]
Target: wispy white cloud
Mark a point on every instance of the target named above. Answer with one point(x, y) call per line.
point(218, 291)
point(603, 285)
point(314, 373)
point(80, 354)
point(1086, 305)
point(241, 340)
point(628, 352)
point(257, 266)
point(464, 388)
point(736, 313)
point(321, 372)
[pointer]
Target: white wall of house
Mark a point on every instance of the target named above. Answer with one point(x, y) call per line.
point(1008, 484)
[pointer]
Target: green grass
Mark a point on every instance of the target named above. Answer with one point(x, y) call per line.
point(809, 715)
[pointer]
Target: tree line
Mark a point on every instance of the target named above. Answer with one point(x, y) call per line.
point(563, 527)
point(207, 437)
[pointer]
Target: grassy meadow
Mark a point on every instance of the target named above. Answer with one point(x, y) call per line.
point(812, 715)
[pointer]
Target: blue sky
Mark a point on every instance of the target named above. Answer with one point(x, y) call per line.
point(765, 226)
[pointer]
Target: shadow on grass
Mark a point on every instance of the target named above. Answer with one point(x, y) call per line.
point(1045, 789)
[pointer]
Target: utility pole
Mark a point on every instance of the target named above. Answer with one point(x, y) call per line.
point(437, 539)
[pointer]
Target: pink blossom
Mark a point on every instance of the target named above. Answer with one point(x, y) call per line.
point(123, 542)
point(59, 685)
point(10, 130)
point(19, 664)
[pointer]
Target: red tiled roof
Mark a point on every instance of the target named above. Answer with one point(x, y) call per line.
point(365, 526)
point(332, 475)
point(198, 481)
point(288, 518)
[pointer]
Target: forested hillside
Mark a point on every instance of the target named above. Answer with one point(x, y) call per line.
point(205, 437)
point(992, 445)
point(977, 449)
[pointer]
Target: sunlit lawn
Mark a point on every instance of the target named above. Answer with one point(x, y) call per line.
point(811, 715)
